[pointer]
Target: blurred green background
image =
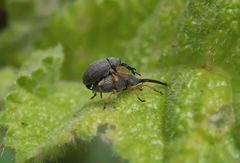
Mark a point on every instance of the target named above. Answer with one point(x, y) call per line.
point(152, 35)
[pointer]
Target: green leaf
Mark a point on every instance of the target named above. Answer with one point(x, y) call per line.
point(25, 19)
point(199, 117)
point(39, 104)
point(43, 114)
point(196, 45)
point(7, 76)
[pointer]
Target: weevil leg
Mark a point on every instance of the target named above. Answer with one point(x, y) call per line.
point(136, 87)
point(100, 86)
point(132, 69)
point(111, 94)
point(136, 93)
point(114, 78)
point(121, 72)
point(152, 88)
point(109, 97)
point(94, 95)
point(101, 95)
point(141, 99)
point(139, 86)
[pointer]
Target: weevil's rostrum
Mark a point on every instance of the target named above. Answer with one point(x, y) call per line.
point(107, 75)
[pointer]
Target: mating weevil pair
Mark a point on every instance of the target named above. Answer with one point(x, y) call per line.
point(106, 75)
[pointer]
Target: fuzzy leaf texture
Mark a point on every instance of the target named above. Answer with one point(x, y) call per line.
point(192, 45)
point(42, 114)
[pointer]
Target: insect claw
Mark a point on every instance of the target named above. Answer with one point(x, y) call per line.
point(160, 92)
point(135, 72)
point(104, 106)
point(141, 99)
point(94, 95)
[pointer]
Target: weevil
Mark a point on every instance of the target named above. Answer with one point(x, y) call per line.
point(102, 68)
point(120, 82)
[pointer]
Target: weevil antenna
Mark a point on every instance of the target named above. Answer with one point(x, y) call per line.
point(152, 81)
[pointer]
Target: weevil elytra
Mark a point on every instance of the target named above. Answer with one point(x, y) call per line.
point(102, 68)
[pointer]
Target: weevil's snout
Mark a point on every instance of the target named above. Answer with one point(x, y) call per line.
point(152, 81)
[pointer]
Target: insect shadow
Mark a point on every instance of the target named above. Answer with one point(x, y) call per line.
point(101, 103)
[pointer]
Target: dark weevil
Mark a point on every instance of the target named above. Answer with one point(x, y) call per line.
point(102, 68)
point(122, 81)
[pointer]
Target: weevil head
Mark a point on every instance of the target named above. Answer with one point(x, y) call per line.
point(114, 61)
point(132, 80)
